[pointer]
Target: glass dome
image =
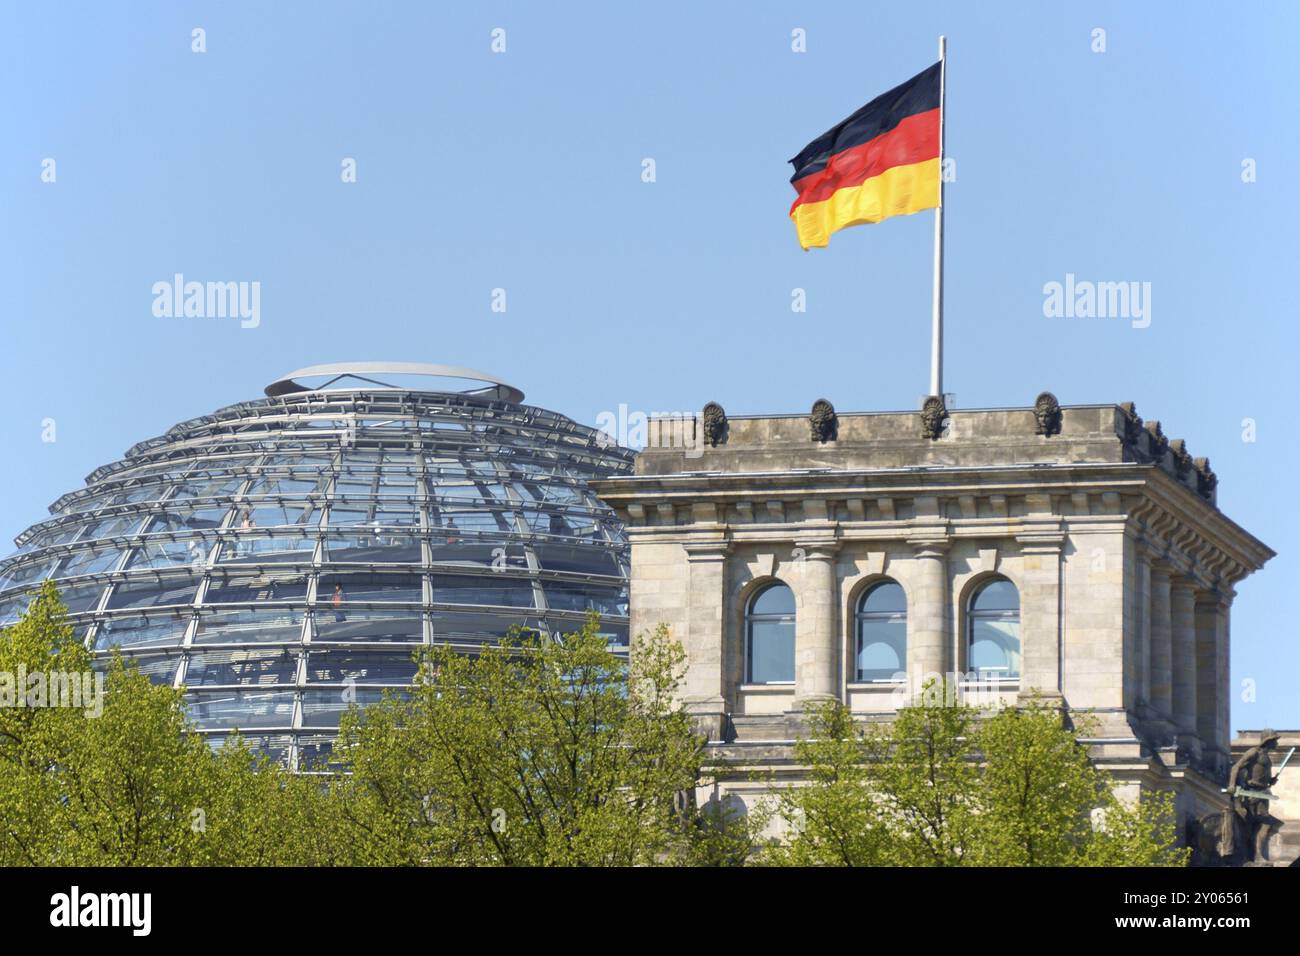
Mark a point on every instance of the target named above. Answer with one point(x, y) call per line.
point(282, 558)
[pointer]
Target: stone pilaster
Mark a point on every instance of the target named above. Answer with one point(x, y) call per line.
point(1182, 609)
point(1161, 657)
point(705, 686)
point(1040, 614)
point(817, 650)
point(1212, 677)
point(1142, 633)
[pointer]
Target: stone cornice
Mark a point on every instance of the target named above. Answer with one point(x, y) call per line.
point(1026, 502)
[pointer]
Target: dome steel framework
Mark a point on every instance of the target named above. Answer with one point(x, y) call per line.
point(281, 558)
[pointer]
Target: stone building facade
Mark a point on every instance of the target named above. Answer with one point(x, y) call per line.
point(1070, 552)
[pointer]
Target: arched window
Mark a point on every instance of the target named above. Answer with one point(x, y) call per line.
point(769, 636)
point(993, 631)
point(882, 633)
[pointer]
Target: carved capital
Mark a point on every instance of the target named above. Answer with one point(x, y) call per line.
point(705, 550)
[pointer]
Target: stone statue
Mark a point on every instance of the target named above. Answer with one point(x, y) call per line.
point(822, 421)
point(1156, 440)
point(1047, 415)
point(1206, 480)
point(1247, 822)
point(715, 424)
point(1132, 423)
point(1182, 457)
point(933, 415)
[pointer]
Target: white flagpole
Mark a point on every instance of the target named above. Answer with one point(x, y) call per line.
point(936, 324)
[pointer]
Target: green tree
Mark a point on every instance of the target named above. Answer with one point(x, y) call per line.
point(1045, 803)
point(943, 785)
point(123, 780)
point(535, 752)
point(837, 818)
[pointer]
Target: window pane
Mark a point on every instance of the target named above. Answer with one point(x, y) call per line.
point(457, 627)
point(159, 668)
point(153, 593)
point(777, 599)
point(231, 708)
point(110, 527)
point(771, 652)
point(89, 562)
point(885, 598)
point(882, 649)
point(382, 548)
point(1000, 595)
point(165, 554)
point(262, 626)
point(386, 626)
point(585, 597)
point(239, 589)
point(995, 648)
point(487, 552)
point(584, 560)
point(487, 589)
point(277, 549)
point(341, 588)
point(323, 708)
point(255, 666)
point(85, 598)
point(360, 666)
point(141, 632)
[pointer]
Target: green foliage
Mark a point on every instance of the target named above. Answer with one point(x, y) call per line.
point(531, 753)
point(837, 817)
point(128, 785)
point(539, 752)
point(945, 786)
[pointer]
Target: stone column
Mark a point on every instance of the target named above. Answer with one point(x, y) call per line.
point(1142, 636)
point(1161, 658)
point(1040, 615)
point(1182, 609)
point(705, 687)
point(816, 636)
point(928, 634)
point(1212, 672)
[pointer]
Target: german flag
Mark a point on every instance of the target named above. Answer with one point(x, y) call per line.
point(882, 161)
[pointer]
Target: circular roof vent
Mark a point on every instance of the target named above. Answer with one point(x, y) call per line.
point(349, 376)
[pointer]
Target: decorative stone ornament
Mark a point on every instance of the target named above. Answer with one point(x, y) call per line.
point(1132, 423)
point(1158, 442)
point(1182, 460)
point(1206, 479)
point(823, 421)
point(1047, 415)
point(933, 415)
point(715, 425)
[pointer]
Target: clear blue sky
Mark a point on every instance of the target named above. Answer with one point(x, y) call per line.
point(522, 171)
